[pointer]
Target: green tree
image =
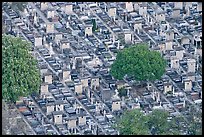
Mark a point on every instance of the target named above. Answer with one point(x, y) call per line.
point(122, 92)
point(132, 123)
point(21, 75)
point(94, 28)
point(195, 121)
point(158, 120)
point(138, 61)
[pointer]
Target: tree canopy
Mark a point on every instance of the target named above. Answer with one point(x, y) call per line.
point(122, 92)
point(21, 75)
point(134, 122)
point(94, 28)
point(140, 62)
point(195, 121)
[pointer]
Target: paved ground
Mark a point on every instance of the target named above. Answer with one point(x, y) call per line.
point(12, 124)
point(5, 122)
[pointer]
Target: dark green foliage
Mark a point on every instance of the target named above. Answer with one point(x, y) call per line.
point(122, 92)
point(134, 122)
point(195, 120)
point(20, 74)
point(94, 28)
point(140, 62)
point(158, 120)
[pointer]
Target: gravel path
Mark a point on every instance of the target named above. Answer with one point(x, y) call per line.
point(12, 123)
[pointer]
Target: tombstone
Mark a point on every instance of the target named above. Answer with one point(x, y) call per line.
point(165, 26)
point(187, 12)
point(153, 96)
point(184, 103)
point(65, 45)
point(73, 63)
point(129, 6)
point(197, 40)
point(185, 40)
point(106, 94)
point(176, 13)
point(57, 117)
point(201, 94)
point(175, 63)
point(187, 85)
point(188, 5)
point(43, 69)
point(58, 37)
point(69, 9)
point(43, 6)
point(116, 105)
point(138, 27)
point(167, 88)
point(44, 88)
point(50, 48)
point(50, 28)
point(199, 52)
point(84, 82)
point(81, 120)
point(150, 20)
point(48, 78)
point(88, 93)
point(35, 19)
point(162, 33)
point(158, 97)
point(136, 6)
point(78, 62)
point(38, 41)
point(178, 5)
point(112, 12)
point(179, 53)
point(78, 88)
point(123, 101)
point(161, 46)
point(50, 13)
point(143, 11)
point(128, 38)
point(72, 122)
point(25, 11)
point(149, 86)
point(191, 65)
point(170, 35)
point(120, 84)
point(92, 99)
point(199, 7)
point(191, 76)
point(49, 108)
point(160, 15)
point(95, 83)
point(59, 105)
point(88, 30)
point(104, 113)
point(97, 108)
point(66, 76)
point(169, 45)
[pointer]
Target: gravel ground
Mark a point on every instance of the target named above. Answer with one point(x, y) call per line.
point(4, 119)
point(11, 120)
